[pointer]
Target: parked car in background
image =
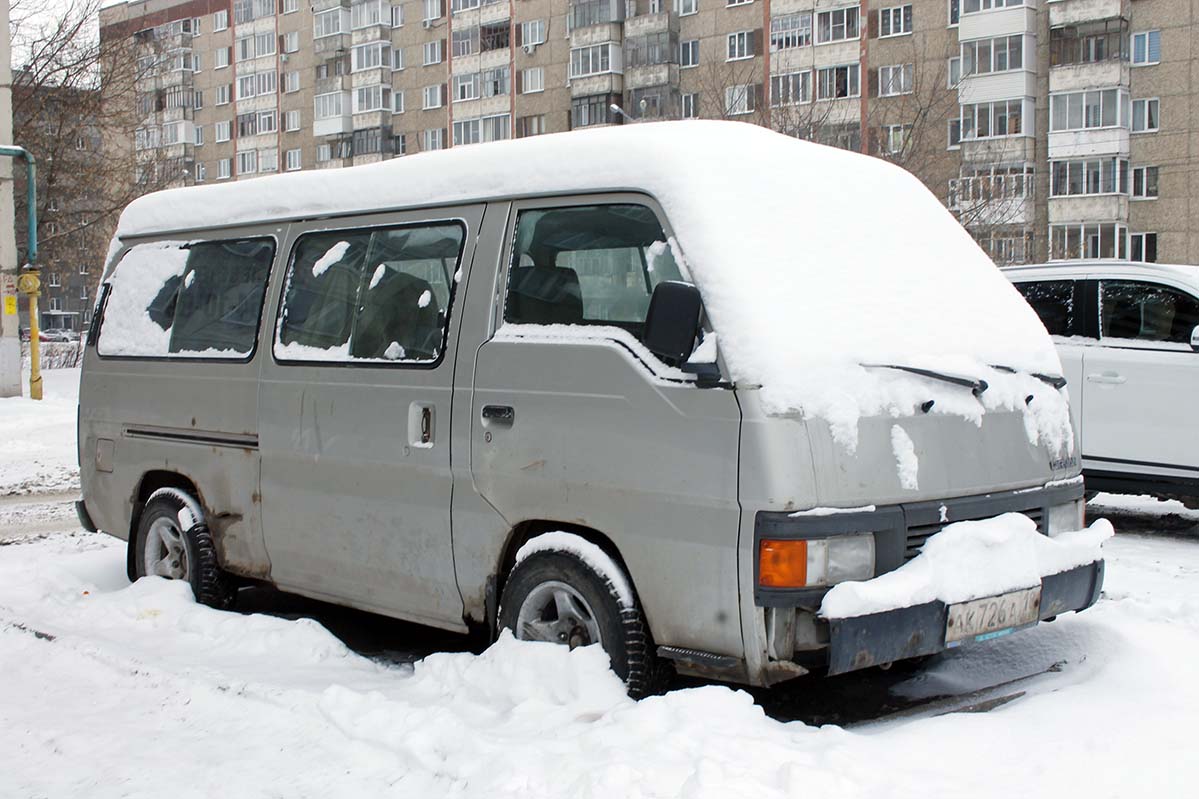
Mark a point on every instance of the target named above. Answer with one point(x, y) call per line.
point(1128, 334)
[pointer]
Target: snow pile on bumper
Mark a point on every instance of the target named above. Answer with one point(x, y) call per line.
point(969, 560)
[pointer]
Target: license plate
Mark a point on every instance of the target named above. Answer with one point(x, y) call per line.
point(993, 615)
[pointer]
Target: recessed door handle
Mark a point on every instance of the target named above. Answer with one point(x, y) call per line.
point(499, 413)
point(1112, 378)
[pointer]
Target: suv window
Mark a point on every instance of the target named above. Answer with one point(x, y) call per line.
point(1053, 300)
point(1131, 309)
point(200, 299)
point(593, 264)
point(377, 294)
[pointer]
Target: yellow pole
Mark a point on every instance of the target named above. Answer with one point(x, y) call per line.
point(30, 284)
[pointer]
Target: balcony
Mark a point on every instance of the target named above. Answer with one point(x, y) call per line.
point(332, 126)
point(1088, 207)
point(641, 77)
point(997, 22)
point(1071, 12)
point(997, 86)
point(993, 199)
point(609, 83)
point(1066, 144)
point(644, 24)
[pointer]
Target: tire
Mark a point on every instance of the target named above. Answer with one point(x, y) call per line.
point(163, 548)
point(534, 589)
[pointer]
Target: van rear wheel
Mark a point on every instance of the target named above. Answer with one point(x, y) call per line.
point(170, 542)
point(557, 596)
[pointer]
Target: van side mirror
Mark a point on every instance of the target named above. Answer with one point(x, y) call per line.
point(672, 322)
point(1195, 339)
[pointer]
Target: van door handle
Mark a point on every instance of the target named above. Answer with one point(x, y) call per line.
point(499, 413)
point(1113, 378)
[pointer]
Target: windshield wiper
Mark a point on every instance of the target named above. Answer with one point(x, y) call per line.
point(1057, 381)
point(976, 385)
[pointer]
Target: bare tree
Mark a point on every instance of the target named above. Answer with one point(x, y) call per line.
point(76, 108)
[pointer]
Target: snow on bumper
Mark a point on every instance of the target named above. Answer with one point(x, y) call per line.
point(909, 612)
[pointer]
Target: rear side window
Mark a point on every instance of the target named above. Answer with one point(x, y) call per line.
point(1053, 300)
point(1131, 309)
point(187, 299)
point(377, 294)
point(595, 264)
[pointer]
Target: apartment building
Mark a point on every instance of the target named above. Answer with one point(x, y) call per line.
point(1052, 128)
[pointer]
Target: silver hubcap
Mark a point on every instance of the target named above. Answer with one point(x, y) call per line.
point(555, 612)
point(166, 554)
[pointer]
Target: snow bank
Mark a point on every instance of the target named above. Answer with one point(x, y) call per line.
point(969, 560)
point(38, 453)
point(811, 260)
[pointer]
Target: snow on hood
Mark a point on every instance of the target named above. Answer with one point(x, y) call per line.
point(811, 260)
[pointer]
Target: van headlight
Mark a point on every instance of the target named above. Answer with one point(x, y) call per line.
point(1065, 517)
point(804, 563)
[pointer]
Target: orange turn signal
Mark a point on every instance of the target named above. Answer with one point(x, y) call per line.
point(782, 563)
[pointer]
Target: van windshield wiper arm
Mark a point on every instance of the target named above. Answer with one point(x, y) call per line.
point(976, 385)
point(1057, 381)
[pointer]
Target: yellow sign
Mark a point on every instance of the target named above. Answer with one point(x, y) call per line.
point(10, 306)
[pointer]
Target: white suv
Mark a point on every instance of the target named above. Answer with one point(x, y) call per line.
point(1128, 335)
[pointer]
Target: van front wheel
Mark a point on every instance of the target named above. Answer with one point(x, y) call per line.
point(171, 542)
point(558, 596)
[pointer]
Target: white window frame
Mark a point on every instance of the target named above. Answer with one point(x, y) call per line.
point(220, 20)
point(221, 58)
point(1144, 173)
point(528, 85)
point(740, 46)
point(685, 8)
point(888, 17)
point(222, 130)
point(850, 70)
point(532, 32)
point(845, 12)
point(1145, 37)
point(886, 80)
point(689, 105)
point(739, 99)
point(437, 94)
point(433, 139)
point(293, 160)
point(436, 48)
point(291, 42)
point(247, 162)
point(368, 99)
point(689, 54)
point(1145, 103)
point(292, 120)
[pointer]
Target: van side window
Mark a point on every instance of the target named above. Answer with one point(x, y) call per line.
point(594, 264)
point(198, 299)
point(1053, 300)
point(377, 294)
point(1132, 309)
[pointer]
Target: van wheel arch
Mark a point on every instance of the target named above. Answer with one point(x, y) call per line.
point(152, 481)
point(523, 532)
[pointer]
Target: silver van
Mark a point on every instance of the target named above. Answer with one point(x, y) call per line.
point(657, 387)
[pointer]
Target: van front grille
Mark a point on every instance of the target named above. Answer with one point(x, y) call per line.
point(918, 535)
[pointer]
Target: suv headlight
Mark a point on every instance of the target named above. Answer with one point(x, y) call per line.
point(1065, 517)
point(804, 563)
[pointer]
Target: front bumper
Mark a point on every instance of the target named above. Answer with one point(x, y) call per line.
point(881, 638)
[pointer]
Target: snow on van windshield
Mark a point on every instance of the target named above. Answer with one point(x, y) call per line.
point(819, 268)
point(136, 318)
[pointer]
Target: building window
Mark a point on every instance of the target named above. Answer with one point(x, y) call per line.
point(291, 6)
point(791, 88)
point(496, 82)
point(893, 139)
point(370, 56)
point(224, 168)
point(984, 56)
point(596, 59)
point(895, 21)
point(433, 10)
point(689, 54)
point(222, 131)
point(466, 87)
point(291, 82)
point(686, 7)
point(220, 58)
point(465, 42)
point(1143, 247)
point(737, 2)
point(955, 13)
point(838, 82)
point(585, 111)
point(1144, 183)
point(1088, 43)
point(790, 31)
point(434, 97)
point(55, 280)
point(955, 134)
point(291, 120)
point(690, 106)
point(433, 51)
point(532, 80)
point(399, 144)
point(741, 45)
point(371, 98)
point(328, 106)
point(530, 126)
point(739, 99)
point(993, 120)
point(198, 134)
point(1145, 115)
point(365, 14)
point(329, 23)
point(954, 70)
point(974, 6)
point(268, 160)
point(1091, 176)
point(1146, 48)
point(397, 101)
point(894, 80)
point(220, 20)
point(55, 302)
point(291, 42)
point(532, 32)
point(1102, 108)
point(434, 139)
point(837, 25)
point(1086, 240)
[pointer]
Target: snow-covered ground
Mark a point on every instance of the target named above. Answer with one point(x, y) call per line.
point(37, 439)
point(113, 690)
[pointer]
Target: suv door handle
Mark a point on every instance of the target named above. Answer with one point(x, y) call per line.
point(499, 413)
point(1114, 378)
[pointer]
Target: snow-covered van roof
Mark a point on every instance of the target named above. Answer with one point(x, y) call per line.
point(815, 264)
